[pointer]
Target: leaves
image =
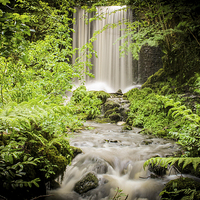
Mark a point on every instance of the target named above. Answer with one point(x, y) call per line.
point(164, 162)
point(4, 2)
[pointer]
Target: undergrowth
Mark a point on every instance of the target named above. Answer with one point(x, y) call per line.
point(168, 110)
point(87, 104)
point(34, 145)
point(163, 116)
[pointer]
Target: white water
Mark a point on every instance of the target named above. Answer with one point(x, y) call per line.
point(117, 158)
point(109, 68)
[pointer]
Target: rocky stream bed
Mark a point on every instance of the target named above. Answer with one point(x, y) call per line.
point(113, 158)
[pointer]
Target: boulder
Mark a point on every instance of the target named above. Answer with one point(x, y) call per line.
point(111, 111)
point(88, 182)
point(157, 170)
point(121, 123)
point(115, 117)
point(110, 105)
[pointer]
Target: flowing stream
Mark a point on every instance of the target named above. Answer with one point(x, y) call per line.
point(116, 157)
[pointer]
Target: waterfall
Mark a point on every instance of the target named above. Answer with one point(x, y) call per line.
point(109, 69)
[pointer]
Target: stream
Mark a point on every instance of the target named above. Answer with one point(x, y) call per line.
point(116, 157)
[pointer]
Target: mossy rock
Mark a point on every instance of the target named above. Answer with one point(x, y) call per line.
point(110, 105)
point(76, 151)
point(54, 185)
point(119, 92)
point(102, 95)
point(160, 75)
point(181, 189)
point(146, 131)
point(129, 121)
point(88, 182)
point(55, 158)
point(146, 142)
point(109, 112)
point(157, 169)
point(127, 127)
point(102, 120)
point(115, 117)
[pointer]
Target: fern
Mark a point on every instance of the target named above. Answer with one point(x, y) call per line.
point(165, 162)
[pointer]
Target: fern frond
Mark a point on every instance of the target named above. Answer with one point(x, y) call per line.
point(195, 162)
point(164, 162)
point(187, 162)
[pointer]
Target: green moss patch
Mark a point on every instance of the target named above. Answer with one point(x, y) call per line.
point(182, 188)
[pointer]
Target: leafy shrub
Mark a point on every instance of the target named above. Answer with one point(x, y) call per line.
point(164, 117)
point(85, 103)
point(33, 136)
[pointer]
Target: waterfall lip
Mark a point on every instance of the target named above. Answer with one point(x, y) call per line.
point(103, 86)
point(98, 86)
point(109, 66)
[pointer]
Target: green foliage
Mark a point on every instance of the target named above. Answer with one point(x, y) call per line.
point(181, 161)
point(164, 117)
point(4, 2)
point(12, 162)
point(182, 188)
point(146, 110)
point(34, 143)
point(86, 103)
point(119, 195)
point(36, 62)
point(173, 27)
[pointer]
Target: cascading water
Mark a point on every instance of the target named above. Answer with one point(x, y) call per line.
point(116, 157)
point(110, 70)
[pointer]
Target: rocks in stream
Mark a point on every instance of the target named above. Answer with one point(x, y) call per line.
point(116, 108)
point(88, 182)
point(157, 170)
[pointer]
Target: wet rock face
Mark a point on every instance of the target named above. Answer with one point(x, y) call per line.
point(88, 182)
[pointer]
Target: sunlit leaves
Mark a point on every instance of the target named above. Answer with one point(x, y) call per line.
point(4, 2)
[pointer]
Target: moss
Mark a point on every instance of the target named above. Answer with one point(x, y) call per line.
point(102, 120)
point(160, 75)
point(76, 151)
point(115, 117)
point(55, 158)
point(109, 112)
point(162, 133)
point(90, 181)
point(110, 105)
point(101, 95)
point(182, 188)
point(127, 127)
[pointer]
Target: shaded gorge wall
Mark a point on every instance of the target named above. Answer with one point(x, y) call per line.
point(110, 68)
